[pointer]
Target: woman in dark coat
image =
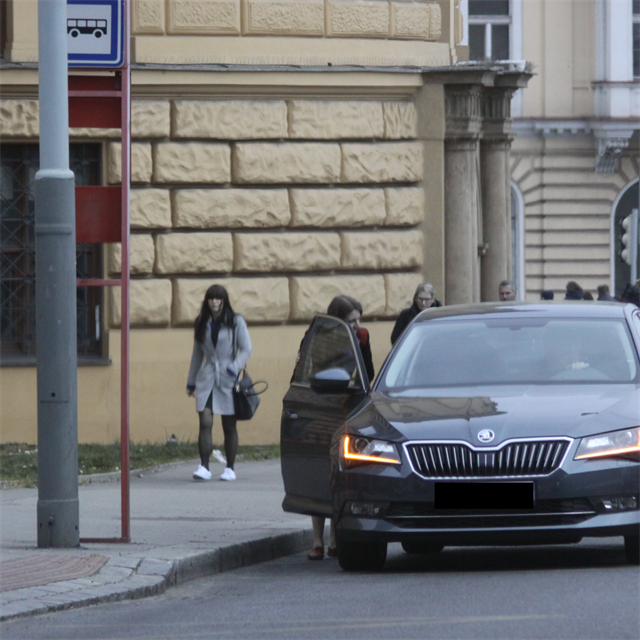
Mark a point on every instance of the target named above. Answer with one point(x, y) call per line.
point(348, 309)
point(221, 348)
point(424, 298)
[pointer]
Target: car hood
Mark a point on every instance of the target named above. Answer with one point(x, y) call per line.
point(514, 412)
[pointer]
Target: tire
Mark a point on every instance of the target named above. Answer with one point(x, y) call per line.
point(74, 33)
point(97, 33)
point(632, 549)
point(361, 556)
point(422, 547)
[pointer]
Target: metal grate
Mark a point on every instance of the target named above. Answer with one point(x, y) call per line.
point(513, 459)
point(19, 163)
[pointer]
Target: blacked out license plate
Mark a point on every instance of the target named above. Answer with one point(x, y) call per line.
point(484, 495)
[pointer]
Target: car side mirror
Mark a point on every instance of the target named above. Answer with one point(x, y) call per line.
point(330, 381)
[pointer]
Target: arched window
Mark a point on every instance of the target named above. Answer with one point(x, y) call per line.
point(625, 203)
point(517, 240)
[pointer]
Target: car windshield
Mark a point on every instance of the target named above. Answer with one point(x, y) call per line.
point(489, 351)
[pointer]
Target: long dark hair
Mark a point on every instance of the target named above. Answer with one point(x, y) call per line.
point(342, 306)
point(225, 318)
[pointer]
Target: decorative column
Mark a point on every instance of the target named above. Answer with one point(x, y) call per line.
point(462, 201)
point(496, 200)
point(496, 183)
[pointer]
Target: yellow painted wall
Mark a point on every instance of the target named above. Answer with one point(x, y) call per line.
point(159, 404)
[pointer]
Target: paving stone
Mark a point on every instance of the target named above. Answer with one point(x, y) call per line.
point(151, 566)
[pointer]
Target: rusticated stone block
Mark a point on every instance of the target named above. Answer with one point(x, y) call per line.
point(19, 118)
point(382, 249)
point(93, 132)
point(141, 163)
point(265, 252)
point(230, 119)
point(211, 208)
point(147, 17)
point(150, 209)
point(150, 119)
point(400, 288)
point(194, 253)
point(203, 17)
point(311, 295)
point(382, 162)
point(435, 21)
point(257, 299)
point(283, 17)
point(405, 205)
point(337, 207)
point(410, 20)
point(400, 120)
point(269, 163)
point(141, 255)
point(357, 18)
point(150, 303)
point(316, 119)
point(192, 162)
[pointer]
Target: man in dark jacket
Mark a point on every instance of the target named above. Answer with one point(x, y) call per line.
point(604, 295)
point(424, 298)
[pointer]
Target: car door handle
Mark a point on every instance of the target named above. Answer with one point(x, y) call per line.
point(291, 416)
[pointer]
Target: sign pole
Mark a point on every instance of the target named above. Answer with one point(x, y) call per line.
point(125, 278)
point(56, 324)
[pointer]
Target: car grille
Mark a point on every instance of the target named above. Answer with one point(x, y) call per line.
point(412, 515)
point(513, 459)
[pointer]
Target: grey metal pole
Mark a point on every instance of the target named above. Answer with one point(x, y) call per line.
point(56, 323)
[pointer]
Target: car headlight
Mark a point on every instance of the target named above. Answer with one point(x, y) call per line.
point(357, 448)
point(616, 443)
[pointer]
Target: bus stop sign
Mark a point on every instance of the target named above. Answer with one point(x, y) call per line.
point(95, 33)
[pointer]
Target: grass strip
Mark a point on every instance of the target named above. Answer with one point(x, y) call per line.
point(19, 462)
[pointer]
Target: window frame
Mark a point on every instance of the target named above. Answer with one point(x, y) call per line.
point(489, 21)
point(21, 161)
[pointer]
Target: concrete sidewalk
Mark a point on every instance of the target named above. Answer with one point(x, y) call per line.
point(180, 530)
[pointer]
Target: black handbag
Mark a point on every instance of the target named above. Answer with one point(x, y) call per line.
point(245, 398)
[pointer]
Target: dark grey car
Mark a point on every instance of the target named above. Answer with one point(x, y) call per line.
point(495, 424)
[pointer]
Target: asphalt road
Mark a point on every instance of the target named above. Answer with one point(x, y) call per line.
point(575, 592)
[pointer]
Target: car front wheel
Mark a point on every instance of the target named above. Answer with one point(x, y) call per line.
point(632, 549)
point(361, 556)
point(421, 547)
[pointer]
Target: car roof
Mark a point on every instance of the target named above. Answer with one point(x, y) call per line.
point(551, 309)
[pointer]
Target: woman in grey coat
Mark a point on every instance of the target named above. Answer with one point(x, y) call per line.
point(221, 348)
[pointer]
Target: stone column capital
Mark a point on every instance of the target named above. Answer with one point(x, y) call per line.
point(497, 142)
point(463, 110)
point(496, 110)
point(459, 142)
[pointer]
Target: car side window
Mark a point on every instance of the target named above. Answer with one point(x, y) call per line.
point(328, 345)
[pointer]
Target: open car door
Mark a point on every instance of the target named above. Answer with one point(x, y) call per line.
point(328, 383)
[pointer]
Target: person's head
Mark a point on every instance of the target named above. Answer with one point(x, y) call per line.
point(425, 296)
point(587, 295)
point(547, 294)
point(346, 308)
point(506, 291)
point(574, 291)
point(215, 305)
point(603, 290)
point(573, 287)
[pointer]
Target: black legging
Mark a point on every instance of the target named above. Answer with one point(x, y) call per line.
point(205, 443)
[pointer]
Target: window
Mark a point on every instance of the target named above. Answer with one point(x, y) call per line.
point(19, 163)
point(3, 27)
point(489, 29)
point(636, 38)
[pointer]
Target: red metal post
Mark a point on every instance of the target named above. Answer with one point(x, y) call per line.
point(124, 318)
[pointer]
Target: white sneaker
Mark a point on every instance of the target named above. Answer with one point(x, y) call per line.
point(201, 473)
point(228, 474)
point(218, 456)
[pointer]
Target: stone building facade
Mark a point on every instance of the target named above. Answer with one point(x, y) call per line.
point(290, 150)
point(574, 162)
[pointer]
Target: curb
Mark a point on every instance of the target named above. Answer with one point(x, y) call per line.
point(153, 575)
